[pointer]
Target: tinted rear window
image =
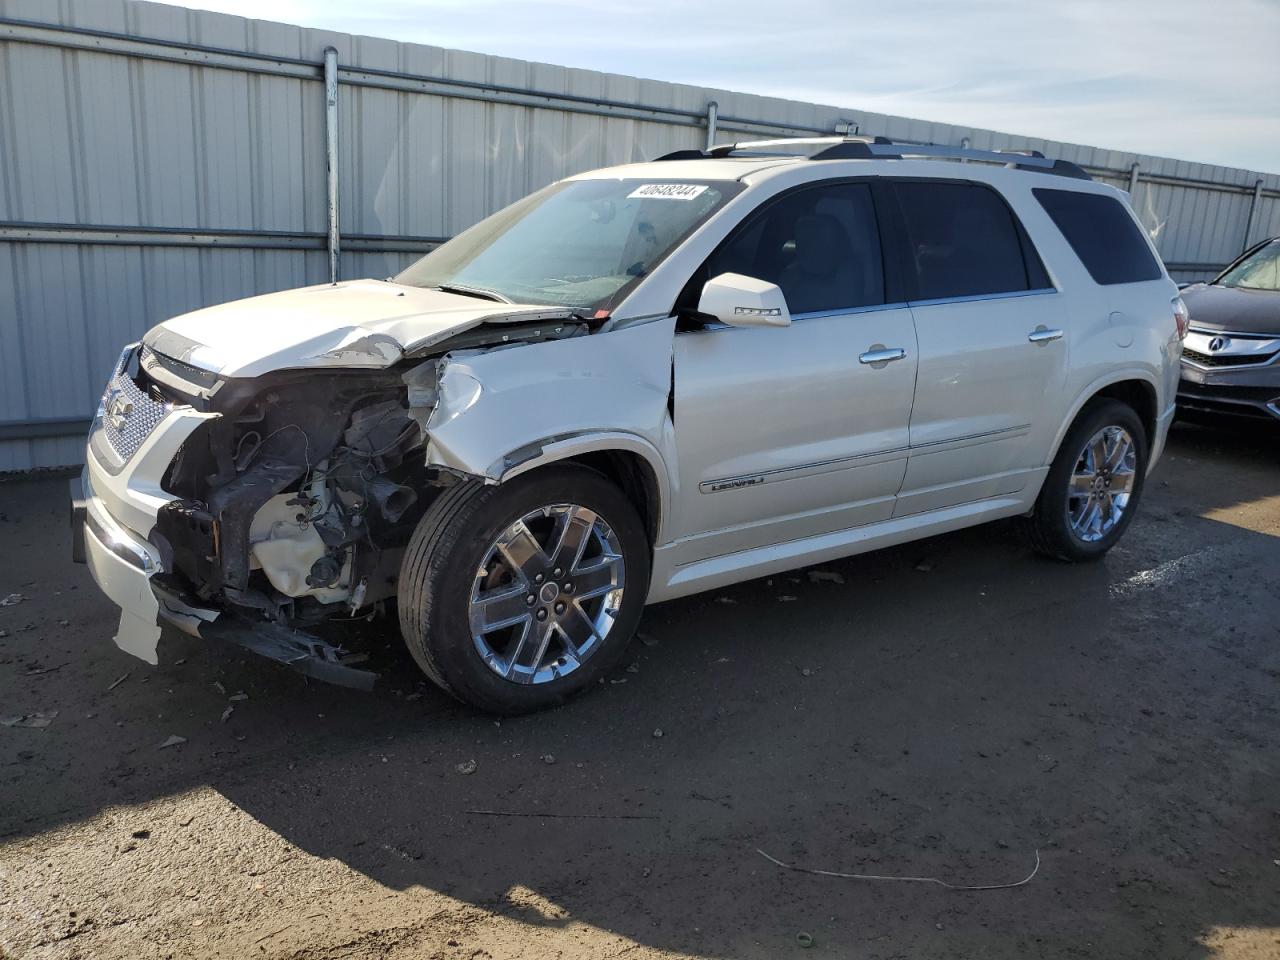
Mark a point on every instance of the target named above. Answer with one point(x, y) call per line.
point(1102, 234)
point(964, 241)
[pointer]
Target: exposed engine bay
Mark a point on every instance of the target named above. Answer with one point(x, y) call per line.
point(296, 502)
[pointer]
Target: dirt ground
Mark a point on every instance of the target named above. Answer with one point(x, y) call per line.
point(951, 708)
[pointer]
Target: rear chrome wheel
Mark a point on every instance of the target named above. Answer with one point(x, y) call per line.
point(1093, 486)
point(547, 593)
point(1102, 483)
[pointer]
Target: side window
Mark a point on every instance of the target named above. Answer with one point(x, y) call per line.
point(963, 241)
point(819, 244)
point(1103, 235)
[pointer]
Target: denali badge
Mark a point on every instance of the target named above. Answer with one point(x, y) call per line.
point(119, 409)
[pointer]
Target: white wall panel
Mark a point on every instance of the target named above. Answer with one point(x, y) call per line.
point(118, 136)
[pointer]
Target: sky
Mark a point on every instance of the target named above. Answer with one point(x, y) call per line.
point(1192, 80)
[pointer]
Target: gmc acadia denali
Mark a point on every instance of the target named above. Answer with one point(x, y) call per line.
point(635, 384)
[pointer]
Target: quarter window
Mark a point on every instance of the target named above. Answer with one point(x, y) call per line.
point(964, 242)
point(819, 244)
point(1103, 235)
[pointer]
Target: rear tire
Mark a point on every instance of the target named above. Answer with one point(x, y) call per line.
point(1094, 485)
point(515, 597)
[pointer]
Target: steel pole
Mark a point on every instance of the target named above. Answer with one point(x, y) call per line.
point(1253, 213)
point(331, 154)
point(713, 117)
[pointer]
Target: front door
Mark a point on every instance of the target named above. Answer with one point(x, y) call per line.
point(784, 433)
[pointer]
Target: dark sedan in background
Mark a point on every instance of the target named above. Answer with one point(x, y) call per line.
point(1231, 357)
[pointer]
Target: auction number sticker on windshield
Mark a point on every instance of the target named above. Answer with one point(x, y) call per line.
point(667, 191)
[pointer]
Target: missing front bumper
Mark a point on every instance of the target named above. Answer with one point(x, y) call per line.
point(125, 569)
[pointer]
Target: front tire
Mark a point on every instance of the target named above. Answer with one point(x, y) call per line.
point(1093, 486)
point(515, 597)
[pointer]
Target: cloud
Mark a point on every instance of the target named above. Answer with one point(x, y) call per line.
point(1172, 77)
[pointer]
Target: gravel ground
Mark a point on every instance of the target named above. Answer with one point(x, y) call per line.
point(949, 709)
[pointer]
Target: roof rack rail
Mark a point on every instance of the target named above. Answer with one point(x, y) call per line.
point(882, 148)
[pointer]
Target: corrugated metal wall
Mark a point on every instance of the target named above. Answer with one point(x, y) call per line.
point(155, 159)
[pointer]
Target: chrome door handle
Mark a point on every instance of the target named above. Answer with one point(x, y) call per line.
point(882, 355)
point(1043, 335)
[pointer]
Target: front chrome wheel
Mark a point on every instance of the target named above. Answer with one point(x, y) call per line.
point(1102, 483)
point(546, 594)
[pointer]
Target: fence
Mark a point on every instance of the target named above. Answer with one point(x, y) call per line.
point(155, 159)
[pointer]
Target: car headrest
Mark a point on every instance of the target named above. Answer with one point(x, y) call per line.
point(821, 244)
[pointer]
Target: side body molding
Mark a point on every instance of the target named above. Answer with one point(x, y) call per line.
point(505, 411)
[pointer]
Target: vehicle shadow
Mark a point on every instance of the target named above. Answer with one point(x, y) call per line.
point(946, 709)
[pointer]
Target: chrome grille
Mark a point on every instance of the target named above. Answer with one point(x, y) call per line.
point(1226, 360)
point(128, 415)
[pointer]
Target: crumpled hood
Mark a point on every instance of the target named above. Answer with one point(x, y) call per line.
point(1233, 309)
point(355, 324)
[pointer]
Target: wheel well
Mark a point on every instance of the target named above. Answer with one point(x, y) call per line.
point(1140, 396)
point(634, 476)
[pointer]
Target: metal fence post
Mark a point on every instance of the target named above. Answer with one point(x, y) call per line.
point(1133, 179)
point(1253, 213)
point(713, 116)
point(331, 154)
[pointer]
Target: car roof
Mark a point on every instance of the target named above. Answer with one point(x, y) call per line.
point(757, 169)
point(720, 168)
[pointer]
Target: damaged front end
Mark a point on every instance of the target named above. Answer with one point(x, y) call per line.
point(289, 500)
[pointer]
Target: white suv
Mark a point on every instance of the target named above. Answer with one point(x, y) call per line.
point(635, 384)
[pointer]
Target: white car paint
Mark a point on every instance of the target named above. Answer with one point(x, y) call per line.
point(354, 324)
point(784, 450)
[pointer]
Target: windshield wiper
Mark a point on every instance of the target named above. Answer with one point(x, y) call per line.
point(478, 292)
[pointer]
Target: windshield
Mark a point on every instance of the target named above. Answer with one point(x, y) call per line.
point(581, 244)
point(1258, 272)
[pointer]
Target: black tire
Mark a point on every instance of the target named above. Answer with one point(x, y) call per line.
point(1048, 528)
point(438, 572)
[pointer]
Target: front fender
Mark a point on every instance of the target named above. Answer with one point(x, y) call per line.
point(505, 411)
point(552, 449)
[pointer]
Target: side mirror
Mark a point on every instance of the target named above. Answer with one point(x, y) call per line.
point(744, 302)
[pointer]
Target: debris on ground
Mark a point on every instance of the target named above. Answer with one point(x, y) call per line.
point(924, 566)
point(784, 598)
point(657, 732)
point(563, 816)
point(120, 679)
point(40, 671)
point(172, 741)
point(871, 876)
point(220, 688)
point(12, 600)
point(805, 940)
point(633, 667)
point(725, 600)
point(806, 672)
point(235, 697)
point(226, 714)
point(825, 576)
point(141, 834)
point(466, 767)
point(35, 720)
point(548, 758)
point(647, 640)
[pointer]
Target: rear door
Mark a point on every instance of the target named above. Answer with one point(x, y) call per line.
point(784, 433)
point(993, 344)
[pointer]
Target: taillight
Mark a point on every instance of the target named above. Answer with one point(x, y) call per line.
point(1181, 317)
